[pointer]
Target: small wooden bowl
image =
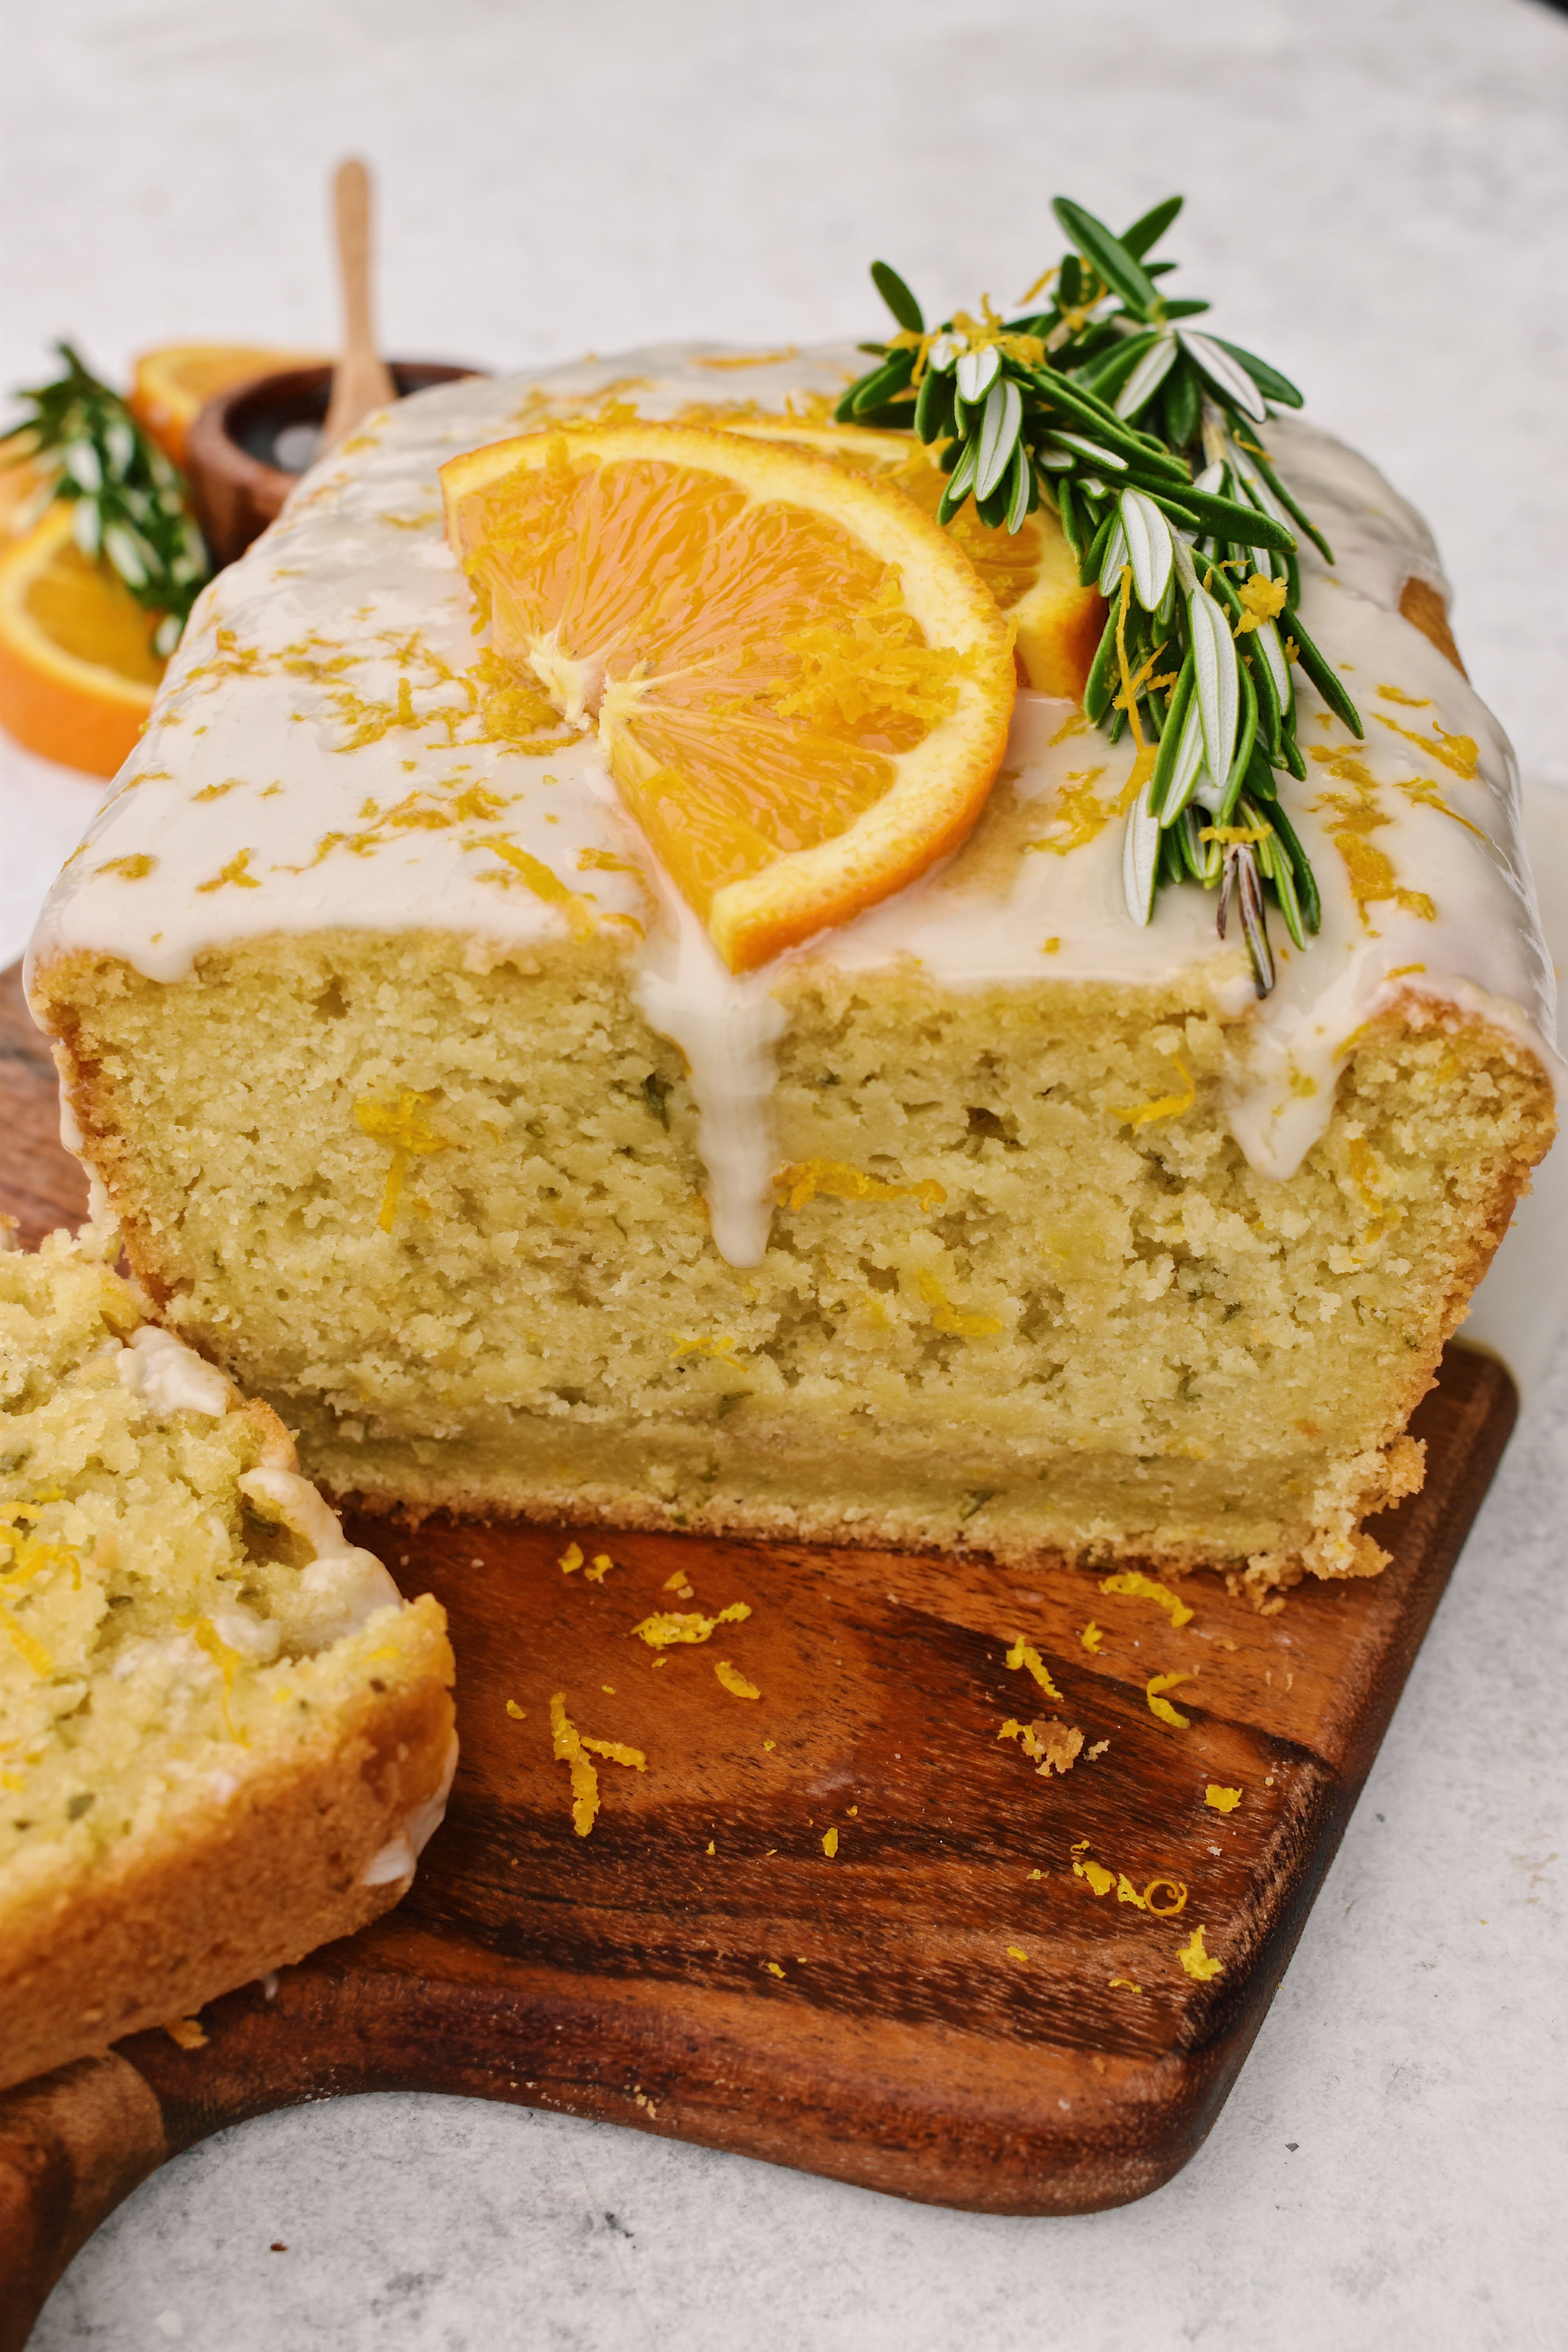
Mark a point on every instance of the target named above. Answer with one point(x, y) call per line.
point(236, 486)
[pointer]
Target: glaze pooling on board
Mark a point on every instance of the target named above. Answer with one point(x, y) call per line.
point(322, 754)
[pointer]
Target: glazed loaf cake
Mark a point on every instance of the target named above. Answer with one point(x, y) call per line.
point(987, 1219)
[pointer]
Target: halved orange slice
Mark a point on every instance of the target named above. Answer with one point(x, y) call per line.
point(170, 386)
point(801, 683)
point(78, 672)
point(1032, 572)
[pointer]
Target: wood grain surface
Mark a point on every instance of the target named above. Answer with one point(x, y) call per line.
point(943, 2008)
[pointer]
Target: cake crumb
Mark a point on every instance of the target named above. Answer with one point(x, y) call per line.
point(1051, 1745)
point(187, 2032)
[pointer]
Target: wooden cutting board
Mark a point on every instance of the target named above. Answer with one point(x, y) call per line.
point(944, 2007)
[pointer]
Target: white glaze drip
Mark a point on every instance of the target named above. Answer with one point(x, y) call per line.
point(243, 812)
point(165, 1376)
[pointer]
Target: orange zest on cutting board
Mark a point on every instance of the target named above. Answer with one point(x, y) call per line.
point(801, 684)
point(78, 672)
point(172, 385)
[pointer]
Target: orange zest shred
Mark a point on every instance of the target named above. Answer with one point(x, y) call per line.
point(773, 1968)
point(1125, 1985)
point(802, 1180)
point(1014, 1952)
point(1022, 1654)
point(572, 1748)
point(1222, 1800)
point(571, 1559)
point(538, 878)
point(1163, 1897)
point(667, 1627)
point(951, 1319)
point(188, 2032)
point(1090, 1638)
point(1167, 1107)
point(517, 1712)
point(830, 1842)
point(1138, 1587)
point(601, 1568)
point(734, 1681)
point(1196, 1960)
point(1160, 1705)
point(205, 1633)
point(404, 1126)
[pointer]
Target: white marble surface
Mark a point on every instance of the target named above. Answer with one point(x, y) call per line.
point(1379, 198)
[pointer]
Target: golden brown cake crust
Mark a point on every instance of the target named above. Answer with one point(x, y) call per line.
point(249, 1886)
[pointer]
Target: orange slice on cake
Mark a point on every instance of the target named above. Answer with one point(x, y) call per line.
point(1032, 572)
point(78, 672)
point(170, 386)
point(801, 683)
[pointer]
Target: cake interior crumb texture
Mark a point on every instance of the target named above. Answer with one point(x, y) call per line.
point(209, 1728)
point(1023, 1291)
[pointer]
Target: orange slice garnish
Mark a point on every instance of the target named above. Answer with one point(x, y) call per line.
point(78, 672)
point(1032, 572)
point(801, 684)
point(170, 386)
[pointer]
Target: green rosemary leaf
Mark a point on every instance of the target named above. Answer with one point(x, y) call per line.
point(1291, 754)
point(1242, 863)
point(1107, 257)
point(1107, 370)
point(1189, 769)
point(1024, 492)
point(1182, 404)
point(1141, 858)
point(1231, 382)
point(1272, 658)
point(1171, 733)
point(1260, 780)
point(1284, 880)
point(1181, 306)
point(1100, 685)
point(933, 406)
point(1083, 448)
point(897, 297)
point(999, 423)
point(1306, 880)
point(1269, 380)
point(1324, 678)
point(976, 373)
point(961, 482)
point(1097, 417)
point(1113, 559)
point(874, 390)
point(1246, 736)
point(1150, 548)
point(1071, 522)
point(1267, 686)
point(1218, 685)
point(1144, 381)
point(1226, 518)
point(1070, 281)
point(1149, 229)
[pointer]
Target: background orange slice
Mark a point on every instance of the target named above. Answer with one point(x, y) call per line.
point(78, 672)
point(801, 682)
point(170, 386)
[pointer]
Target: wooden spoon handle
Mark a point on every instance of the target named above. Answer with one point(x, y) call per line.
point(350, 201)
point(72, 2144)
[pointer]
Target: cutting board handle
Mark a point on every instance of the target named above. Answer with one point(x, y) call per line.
point(72, 2144)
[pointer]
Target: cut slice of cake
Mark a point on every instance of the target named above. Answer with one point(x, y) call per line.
point(224, 1737)
point(992, 1217)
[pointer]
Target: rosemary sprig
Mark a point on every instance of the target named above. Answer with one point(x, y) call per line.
point(1141, 432)
point(131, 510)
